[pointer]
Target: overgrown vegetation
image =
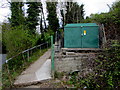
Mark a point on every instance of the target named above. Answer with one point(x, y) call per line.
point(18, 64)
point(18, 35)
point(105, 74)
point(111, 21)
point(18, 39)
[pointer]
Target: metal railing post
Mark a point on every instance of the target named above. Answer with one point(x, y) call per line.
point(28, 55)
point(47, 44)
point(52, 57)
point(40, 49)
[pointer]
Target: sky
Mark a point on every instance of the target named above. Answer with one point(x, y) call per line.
point(96, 6)
point(90, 7)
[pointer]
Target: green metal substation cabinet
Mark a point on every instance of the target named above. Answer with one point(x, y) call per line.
point(82, 35)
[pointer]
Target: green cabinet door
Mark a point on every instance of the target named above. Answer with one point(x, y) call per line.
point(72, 37)
point(90, 37)
point(83, 35)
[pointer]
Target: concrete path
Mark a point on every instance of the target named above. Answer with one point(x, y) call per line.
point(39, 70)
point(2, 59)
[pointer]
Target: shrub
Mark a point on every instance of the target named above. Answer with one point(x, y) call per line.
point(17, 39)
point(106, 72)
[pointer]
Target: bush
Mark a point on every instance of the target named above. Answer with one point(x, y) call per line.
point(17, 39)
point(107, 71)
point(111, 21)
point(44, 37)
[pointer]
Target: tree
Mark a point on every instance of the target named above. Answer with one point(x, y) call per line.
point(111, 21)
point(52, 16)
point(42, 20)
point(17, 16)
point(62, 14)
point(41, 26)
point(75, 12)
point(81, 12)
point(33, 13)
point(42, 15)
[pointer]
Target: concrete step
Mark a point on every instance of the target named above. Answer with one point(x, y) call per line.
point(81, 50)
point(76, 55)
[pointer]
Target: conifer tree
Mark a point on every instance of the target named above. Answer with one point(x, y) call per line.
point(33, 13)
point(75, 12)
point(52, 16)
point(17, 16)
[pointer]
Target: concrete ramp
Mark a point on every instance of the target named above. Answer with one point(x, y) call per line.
point(45, 71)
point(36, 72)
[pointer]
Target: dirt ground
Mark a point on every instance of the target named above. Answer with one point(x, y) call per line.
point(45, 84)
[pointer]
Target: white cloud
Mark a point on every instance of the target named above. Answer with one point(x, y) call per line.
point(4, 10)
point(95, 6)
point(4, 14)
point(91, 6)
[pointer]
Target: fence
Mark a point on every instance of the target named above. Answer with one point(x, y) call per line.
point(16, 64)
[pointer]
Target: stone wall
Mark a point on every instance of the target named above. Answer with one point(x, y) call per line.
point(69, 63)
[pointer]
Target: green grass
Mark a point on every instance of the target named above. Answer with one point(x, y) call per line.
point(8, 78)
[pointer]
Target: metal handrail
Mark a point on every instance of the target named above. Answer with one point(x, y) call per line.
point(26, 51)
